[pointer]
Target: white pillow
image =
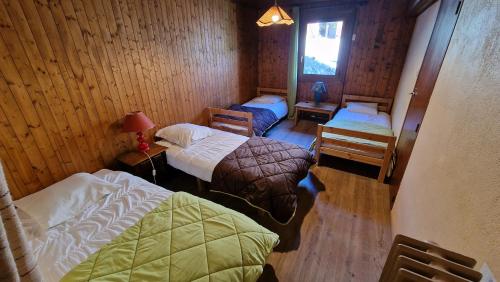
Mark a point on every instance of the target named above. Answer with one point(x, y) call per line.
point(183, 134)
point(65, 199)
point(268, 99)
point(364, 108)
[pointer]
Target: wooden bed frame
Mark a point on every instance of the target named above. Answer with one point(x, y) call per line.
point(355, 151)
point(242, 120)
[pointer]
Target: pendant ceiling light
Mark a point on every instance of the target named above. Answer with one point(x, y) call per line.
point(275, 15)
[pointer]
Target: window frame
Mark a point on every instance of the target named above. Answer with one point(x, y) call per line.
point(328, 14)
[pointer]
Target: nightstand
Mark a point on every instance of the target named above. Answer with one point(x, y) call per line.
point(327, 109)
point(138, 164)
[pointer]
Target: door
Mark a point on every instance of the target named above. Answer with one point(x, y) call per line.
point(438, 45)
point(325, 40)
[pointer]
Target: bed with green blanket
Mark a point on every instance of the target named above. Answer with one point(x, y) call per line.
point(185, 238)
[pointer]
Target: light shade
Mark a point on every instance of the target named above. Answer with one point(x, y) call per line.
point(275, 15)
point(137, 122)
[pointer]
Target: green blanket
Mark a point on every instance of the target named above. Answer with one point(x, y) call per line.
point(185, 239)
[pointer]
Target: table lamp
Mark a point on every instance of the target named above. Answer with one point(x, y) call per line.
point(138, 122)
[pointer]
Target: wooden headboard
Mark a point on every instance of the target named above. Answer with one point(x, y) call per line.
point(273, 91)
point(384, 104)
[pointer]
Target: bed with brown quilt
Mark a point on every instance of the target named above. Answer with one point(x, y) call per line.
point(261, 171)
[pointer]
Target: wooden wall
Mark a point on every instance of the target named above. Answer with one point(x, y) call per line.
point(70, 70)
point(274, 46)
point(383, 32)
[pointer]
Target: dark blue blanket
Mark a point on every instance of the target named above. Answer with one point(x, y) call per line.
point(263, 119)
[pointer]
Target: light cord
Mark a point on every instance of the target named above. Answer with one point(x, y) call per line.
point(153, 165)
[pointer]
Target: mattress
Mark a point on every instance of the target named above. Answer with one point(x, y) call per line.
point(376, 124)
point(201, 157)
point(67, 245)
point(280, 109)
point(381, 119)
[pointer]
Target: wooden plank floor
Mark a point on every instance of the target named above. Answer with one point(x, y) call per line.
point(345, 235)
point(303, 134)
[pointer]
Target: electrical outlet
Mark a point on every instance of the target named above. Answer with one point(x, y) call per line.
point(487, 274)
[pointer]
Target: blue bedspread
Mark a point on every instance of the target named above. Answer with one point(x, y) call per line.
point(263, 119)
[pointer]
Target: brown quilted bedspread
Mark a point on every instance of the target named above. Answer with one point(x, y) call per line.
point(265, 173)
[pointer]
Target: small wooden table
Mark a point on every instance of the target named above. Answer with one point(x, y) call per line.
point(138, 163)
point(322, 108)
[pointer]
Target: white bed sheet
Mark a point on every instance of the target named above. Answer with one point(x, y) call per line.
point(67, 245)
point(381, 119)
point(201, 158)
point(280, 109)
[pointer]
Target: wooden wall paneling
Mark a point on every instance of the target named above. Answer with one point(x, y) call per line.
point(49, 76)
point(247, 44)
point(185, 34)
point(56, 61)
point(14, 156)
point(11, 173)
point(203, 77)
point(204, 60)
point(217, 68)
point(70, 70)
point(21, 131)
point(130, 42)
point(213, 45)
point(383, 32)
point(158, 80)
point(59, 36)
point(18, 102)
point(274, 44)
point(93, 79)
point(137, 19)
point(38, 86)
point(104, 47)
point(100, 62)
point(197, 40)
point(115, 27)
point(209, 82)
point(165, 55)
point(178, 79)
point(177, 84)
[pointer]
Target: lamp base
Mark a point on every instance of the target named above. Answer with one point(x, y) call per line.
point(143, 146)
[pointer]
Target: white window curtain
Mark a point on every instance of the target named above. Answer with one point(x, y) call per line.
point(16, 260)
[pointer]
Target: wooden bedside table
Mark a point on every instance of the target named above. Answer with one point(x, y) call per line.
point(322, 108)
point(137, 163)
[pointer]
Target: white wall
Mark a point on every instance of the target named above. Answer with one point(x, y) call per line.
point(450, 193)
point(416, 52)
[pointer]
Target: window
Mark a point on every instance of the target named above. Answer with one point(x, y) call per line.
point(322, 48)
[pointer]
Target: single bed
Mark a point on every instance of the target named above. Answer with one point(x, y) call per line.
point(143, 232)
point(263, 172)
point(254, 117)
point(358, 136)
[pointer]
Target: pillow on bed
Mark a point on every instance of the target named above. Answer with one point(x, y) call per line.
point(364, 108)
point(184, 134)
point(65, 199)
point(268, 99)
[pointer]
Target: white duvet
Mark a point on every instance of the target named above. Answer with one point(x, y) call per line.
point(66, 246)
point(201, 157)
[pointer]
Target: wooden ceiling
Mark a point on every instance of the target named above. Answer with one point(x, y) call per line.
point(288, 3)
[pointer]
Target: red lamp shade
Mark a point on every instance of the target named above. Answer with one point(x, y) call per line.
point(138, 122)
